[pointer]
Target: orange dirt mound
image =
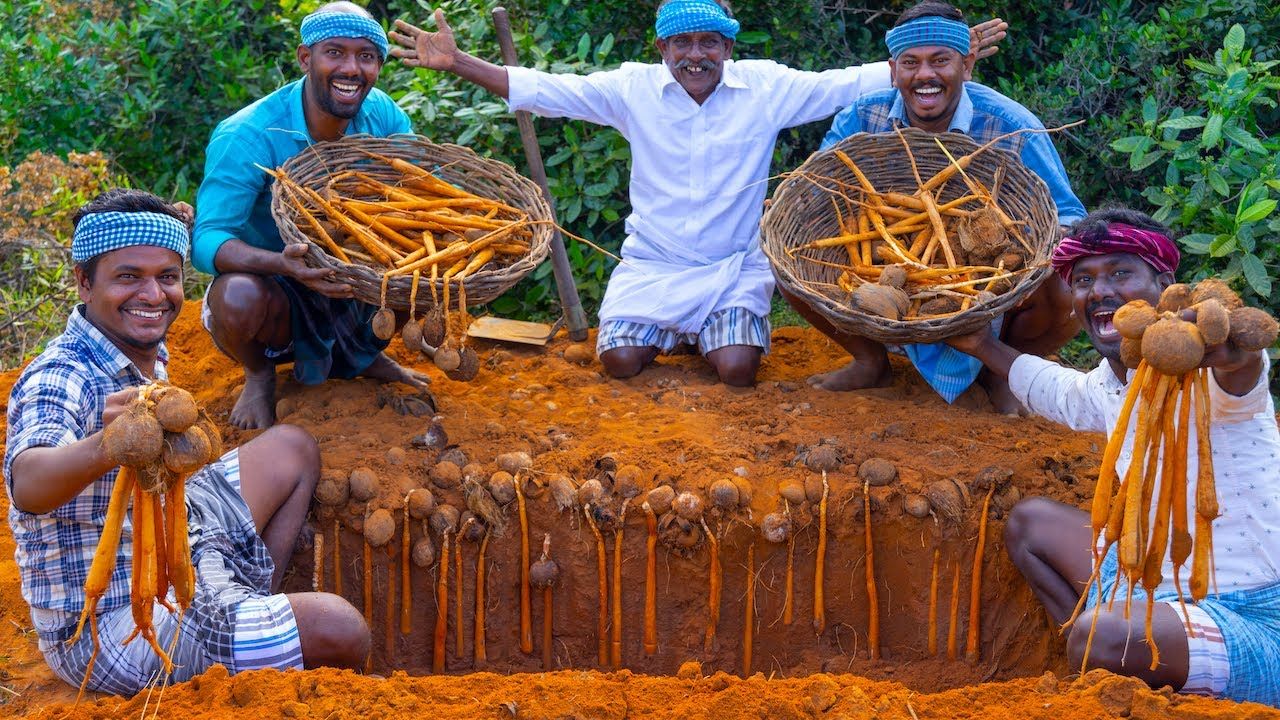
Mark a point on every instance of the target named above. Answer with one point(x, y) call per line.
point(676, 425)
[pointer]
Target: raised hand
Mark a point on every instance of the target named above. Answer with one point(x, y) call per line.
point(985, 37)
point(419, 48)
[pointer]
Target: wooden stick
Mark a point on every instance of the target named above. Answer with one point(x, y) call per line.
point(933, 606)
point(975, 585)
point(749, 621)
point(602, 617)
point(615, 655)
point(442, 608)
point(715, 580)
point(526, 613)
point(873, 602)
point(650, 582)
point(478, 638)
point(955, 611)
point(819, 600)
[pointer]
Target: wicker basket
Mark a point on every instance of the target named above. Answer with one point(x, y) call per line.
point(457, 165)
point(801, 211)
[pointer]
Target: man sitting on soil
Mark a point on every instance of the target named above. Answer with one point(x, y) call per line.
point(702, 129)
point(266, 306)
point(1233, 648)
point(931, 63)
point(245, 509)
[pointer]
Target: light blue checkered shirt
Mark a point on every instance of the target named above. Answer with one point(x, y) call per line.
point(57, 401)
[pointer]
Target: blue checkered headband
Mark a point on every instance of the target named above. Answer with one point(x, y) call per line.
point(928, 31)
point(324, 25)
point(100, 233)
point(689, 16)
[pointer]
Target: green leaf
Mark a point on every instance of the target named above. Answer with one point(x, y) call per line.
point(754, 37)
point(1255, 212)
point(584, 47)
point(1196, 243)
point(602, 50)
point(1141, 162)
point(1186, 122)
point(1212, 134)
point(1149, 109)
point(1244, 139)
point(597, 189)
point(1234, 42)
point(1217, 182)
point(1256, 273)
point(1222, 245)
point(1203, 66)
point(1131, 143)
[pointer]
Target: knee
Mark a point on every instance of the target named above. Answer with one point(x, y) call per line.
point(1021, 529)
point(739, 370)
point(297, 449)
point(332, 632)
point(625, 362)
point(239, 302)
point(1109, 645)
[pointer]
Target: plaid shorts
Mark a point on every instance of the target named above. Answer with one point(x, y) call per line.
point(731, 326)
point(233, 619)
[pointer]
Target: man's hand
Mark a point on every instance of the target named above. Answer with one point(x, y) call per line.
point(317, 279)
point(188, 213)
point(971, 343)
point(986, 36)
point(419, 48)
point(114, 404)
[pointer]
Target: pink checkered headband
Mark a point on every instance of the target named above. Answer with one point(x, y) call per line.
point(1155, 248)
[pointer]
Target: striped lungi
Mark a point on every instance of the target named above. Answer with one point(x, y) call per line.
point(234, 620)
point(730, 326)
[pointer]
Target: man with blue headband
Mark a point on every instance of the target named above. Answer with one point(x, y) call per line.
point(702, 129)
point(245, 509)
point(931, 60)
point(265, 306)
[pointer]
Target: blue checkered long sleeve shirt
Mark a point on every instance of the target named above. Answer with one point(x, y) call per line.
point(57, 401)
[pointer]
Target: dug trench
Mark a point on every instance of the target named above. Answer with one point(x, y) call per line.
point(674, 425)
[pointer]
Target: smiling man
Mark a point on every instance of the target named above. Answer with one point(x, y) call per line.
point(265, 306)
point(245, 509)
point(702, 129)
point(931, 62)
point(1230, 644)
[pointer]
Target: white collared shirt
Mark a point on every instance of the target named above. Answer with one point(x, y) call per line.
point(1246, 459)
point(698, 172)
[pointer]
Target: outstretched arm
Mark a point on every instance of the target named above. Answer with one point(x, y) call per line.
point(438, 51)
point(987, 347)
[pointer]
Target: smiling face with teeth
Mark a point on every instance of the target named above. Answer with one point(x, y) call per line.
point(132, 295)
point(931, 79)
point(340, 73)
point(1100, 284)
point(696, 60)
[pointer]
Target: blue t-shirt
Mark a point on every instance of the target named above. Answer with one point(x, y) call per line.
point(983, 114)
point(234, 200)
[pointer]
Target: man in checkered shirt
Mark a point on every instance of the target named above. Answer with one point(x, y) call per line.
point(931, 62)
point(245, 509)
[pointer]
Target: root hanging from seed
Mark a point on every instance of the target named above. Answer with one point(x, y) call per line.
point(602, 617)
point(337, 557)
point(873, 603)
point(714, 585)
point(391, 604)
point(819, 600)
point(749, 620)
point(317, 570)
point(442, 608)
point(952, 628)
point(615, 654)
point(478, 639)
point(526, 612)
point(458, 630)
point(975, 584)
point(406, 591)
point(650, 581)
point(933, 606)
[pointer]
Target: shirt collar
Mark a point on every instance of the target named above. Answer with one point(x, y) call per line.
point(961, 121)
point(102, 352)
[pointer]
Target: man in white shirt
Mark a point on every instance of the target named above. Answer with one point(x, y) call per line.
point(1231, 645)
point(702, 129)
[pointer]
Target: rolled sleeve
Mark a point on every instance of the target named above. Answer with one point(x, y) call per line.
point(1057, 393)
point(1228, 408)
point(45, 412)
point(799, 97)
point(595, 98)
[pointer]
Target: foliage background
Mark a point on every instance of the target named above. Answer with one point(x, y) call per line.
point(143, 84)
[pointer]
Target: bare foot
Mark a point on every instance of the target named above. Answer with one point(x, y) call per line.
point(256, 407)
point(855, 376)
point(387, 370)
